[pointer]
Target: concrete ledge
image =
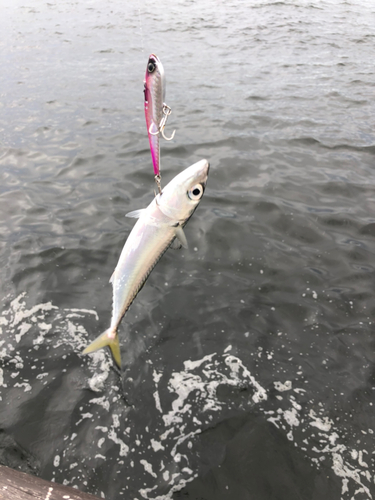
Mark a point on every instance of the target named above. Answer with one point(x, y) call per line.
point(15, 485)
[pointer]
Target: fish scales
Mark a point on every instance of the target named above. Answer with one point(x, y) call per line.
point(135, 266)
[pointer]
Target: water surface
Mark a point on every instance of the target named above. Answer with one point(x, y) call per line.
point(249, 358)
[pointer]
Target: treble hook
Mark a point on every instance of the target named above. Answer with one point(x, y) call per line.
point(166, 112)
point(153, 133)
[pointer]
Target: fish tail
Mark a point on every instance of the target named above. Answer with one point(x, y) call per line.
point(108, 338)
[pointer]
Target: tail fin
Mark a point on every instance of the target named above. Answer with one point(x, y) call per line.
point(106, 339)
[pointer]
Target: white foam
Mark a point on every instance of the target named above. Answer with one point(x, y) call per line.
point(124, 448)
point(81, 313)
point(156, 445)
point(157, 401)
point(23, 328)
point(281, 387)
point(148, 468)
point(84, 416)
point(156, 376)
point(191, 365)
point(103, 402)
point(291, 417)
point(21, 313)
point(347, 473)
point(101, 428)
point(2, 378)
point(27, 387)
point(324, 424)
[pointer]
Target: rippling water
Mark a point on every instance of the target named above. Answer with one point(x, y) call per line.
point(249, 358)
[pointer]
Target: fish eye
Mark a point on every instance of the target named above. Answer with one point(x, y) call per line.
point(151, 67)
point(196, 192)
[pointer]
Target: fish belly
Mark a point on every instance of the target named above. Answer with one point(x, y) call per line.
point(142, 250)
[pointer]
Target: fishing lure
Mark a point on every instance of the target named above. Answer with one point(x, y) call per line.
point(156, 111)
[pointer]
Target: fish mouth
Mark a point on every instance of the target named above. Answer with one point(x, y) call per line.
point(154, 58)
point(202, 166)
point(203, 175)
point(207, 170)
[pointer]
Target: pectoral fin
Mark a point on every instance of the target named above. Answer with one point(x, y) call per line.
point(180, 235)
point(135, 214)
point(176, 245)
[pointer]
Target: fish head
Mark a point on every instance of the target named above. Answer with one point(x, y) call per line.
point(181, 196)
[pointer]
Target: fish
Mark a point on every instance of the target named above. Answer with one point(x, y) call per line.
point(156, 111)
point(159, 226)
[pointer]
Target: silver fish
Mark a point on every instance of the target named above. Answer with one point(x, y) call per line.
point(158, 226)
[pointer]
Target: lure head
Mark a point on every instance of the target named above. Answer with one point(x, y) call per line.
point(152, 64)
point(155, 74)
point(181, 196)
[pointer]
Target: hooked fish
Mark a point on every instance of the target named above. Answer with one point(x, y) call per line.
point(156, 111)
point(158, 226)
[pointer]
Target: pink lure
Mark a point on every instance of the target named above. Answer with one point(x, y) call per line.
point(156, 111)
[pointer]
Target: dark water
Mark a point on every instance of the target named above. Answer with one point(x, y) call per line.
point(250, 358)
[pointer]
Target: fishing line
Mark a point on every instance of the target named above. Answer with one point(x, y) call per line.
point(141, 27)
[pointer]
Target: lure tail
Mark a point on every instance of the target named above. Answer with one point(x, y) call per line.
point(108, 338)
